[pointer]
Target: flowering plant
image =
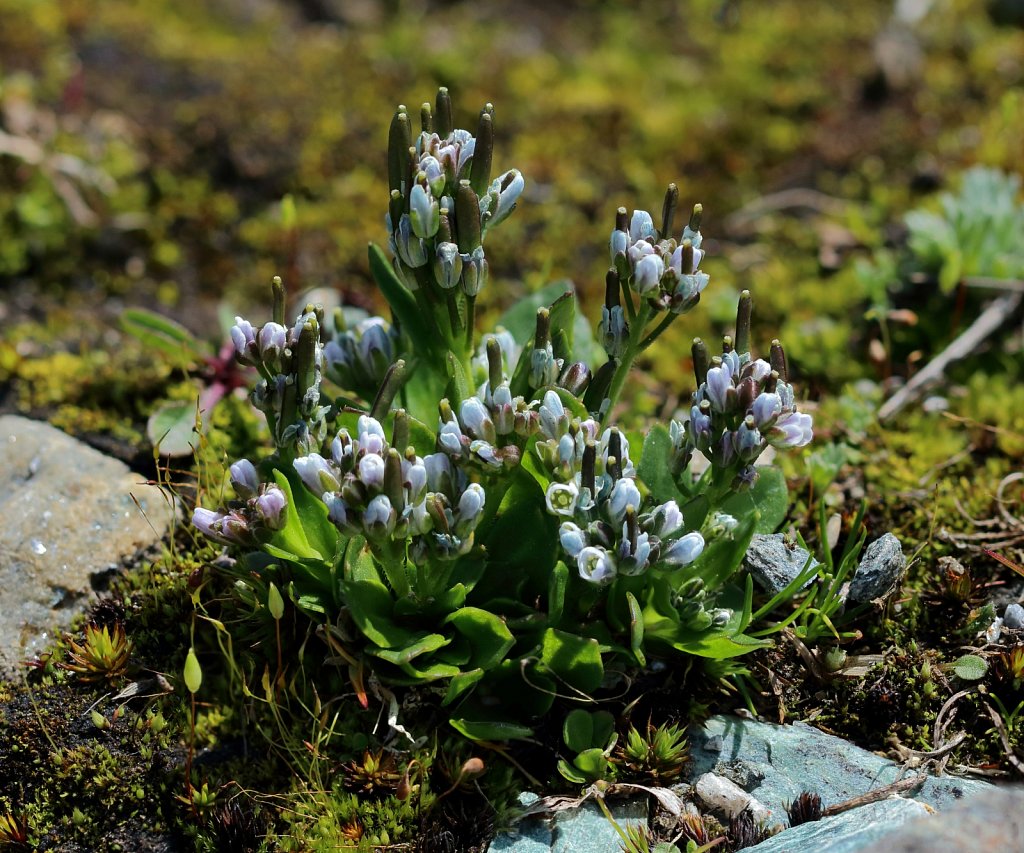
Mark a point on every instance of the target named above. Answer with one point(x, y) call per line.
point(466, 511)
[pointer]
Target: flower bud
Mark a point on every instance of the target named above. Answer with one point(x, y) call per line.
point(572, 538)
point(765, 409)
point(793, 429)
point(244, 479)
point(666, 519)
point(424, 212)
point(647, 274)
point(370, 471)
point(641, 226)
point(684, 551)
point(553, 419)
point(618, 243)
point(624, 494)
point(476, 420)
point(379, 518)
point(273, 339)
point(474, 271)
point(502, 196)
point(243, 336)
point(439, 472)
point(270, 506)
point(317, 474)
point(471, 507)
point(447, 265)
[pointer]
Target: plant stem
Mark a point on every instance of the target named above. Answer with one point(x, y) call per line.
point(666, 321)
point(470, 323)
point(633, 349)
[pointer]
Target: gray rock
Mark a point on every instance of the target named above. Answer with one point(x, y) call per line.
point(800, 758)
point(727, 799)
point(582, 830)
point(1013, 617)
point(847, 832)
point(741, 772)
point(990, 822)
point(68, 515)
point(880, 570)
point(774, 563)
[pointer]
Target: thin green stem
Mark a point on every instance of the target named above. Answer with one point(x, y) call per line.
point(632, 351)
point(666, 321)
point(470, 322)
point(627, 297)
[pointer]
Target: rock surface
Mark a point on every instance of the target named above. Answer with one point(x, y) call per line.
point(1013, 617)
point(991, 822)
point(68, 515)
point(774, 563)
point(880, 570)
point(582, 830)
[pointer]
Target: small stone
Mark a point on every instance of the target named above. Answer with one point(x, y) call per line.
point(880, 571)
point(727, 798)
point(714, 743)
point(774, 563)
point(1013, 617)
point(743, 773)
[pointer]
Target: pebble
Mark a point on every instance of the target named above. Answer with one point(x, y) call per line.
point(774, 562)
point(880, 571)
point(1013, 617)
point(725, 797)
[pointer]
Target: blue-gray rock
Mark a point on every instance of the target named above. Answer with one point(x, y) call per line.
point(1013, 617)
point(68, 515)
point(848, 832)
point(581, 830)
point(988, 823)
point(880, 570)
point(801, 758)
point(774, 562)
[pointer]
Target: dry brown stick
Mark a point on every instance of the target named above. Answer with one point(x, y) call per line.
point(988, 322)
point(897, 787)
point(1011, 756)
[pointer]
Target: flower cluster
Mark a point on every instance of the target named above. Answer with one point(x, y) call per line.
point(659, 268)
point(290, 362)
point(358, 358)
point(742, 406)
point(371, 489)
point(259, 510)
point(595, 485)
point(443, 201)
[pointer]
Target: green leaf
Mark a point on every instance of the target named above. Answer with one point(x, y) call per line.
point(557, 586)
point(578, 730)
point(521, 318)
point(371, 606)
point(402, 302)
point(458, 387)
point(654, 469)
point(421, 646)
point(573, 659)
point(193, 672)
point(275, 603)
point(490, 729)
point(307, 523)
point(571, 773)
point(161, 333)
point(769, 497)
point(488, 635)
point(461, 683)
point(636, 629)
point(722, 558)
point(171, 429)
point(970, 667)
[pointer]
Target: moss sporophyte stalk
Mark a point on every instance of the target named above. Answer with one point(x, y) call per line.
point(468, 504)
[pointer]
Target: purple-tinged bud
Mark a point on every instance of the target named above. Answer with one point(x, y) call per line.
point(317, 474)
point(765, 409)
point(595, 565)
point(228, 528)
point(270, 506)
point(434, 173)
point(273, 339)
point(759, 370)
point(716, 386)
point(370, 471)
point(746, 391)
point(572, 538)
point(243, 336)
point(337, 511)
point(476, 420)
point(244, 479)
point(371, 435)
point(748, 440)
point(641, 226)
point(684, 551)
